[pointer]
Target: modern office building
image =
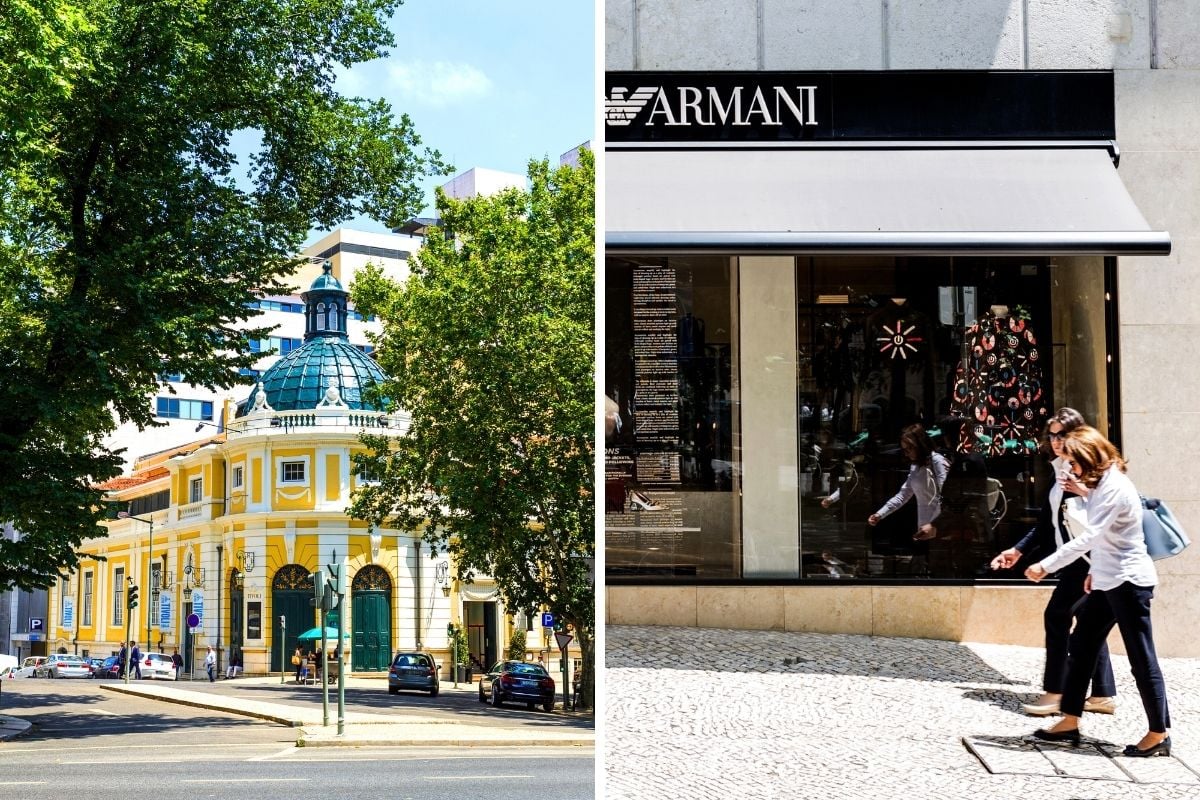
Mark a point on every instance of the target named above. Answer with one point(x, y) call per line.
point(826, 222)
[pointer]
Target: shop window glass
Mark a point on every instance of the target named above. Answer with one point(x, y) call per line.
point(670, 468)
point(978, 351)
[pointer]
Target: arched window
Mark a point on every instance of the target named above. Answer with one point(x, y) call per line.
point(371, 577)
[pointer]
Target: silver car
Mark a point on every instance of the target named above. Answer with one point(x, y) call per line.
point(63, 666)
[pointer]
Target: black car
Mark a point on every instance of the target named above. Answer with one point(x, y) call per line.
point(413, 671)
point(518, 681)
point(109, 668)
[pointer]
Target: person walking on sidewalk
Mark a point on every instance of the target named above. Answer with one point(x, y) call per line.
point(135, 660)
point(1066, 600)
point(177, 660)
point(234, 667)
point(1120, 585)
point(210, 664)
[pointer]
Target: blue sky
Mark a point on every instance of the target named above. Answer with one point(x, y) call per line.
point(489, 83)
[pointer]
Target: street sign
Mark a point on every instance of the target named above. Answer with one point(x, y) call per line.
point(36, 624)
point(193, 621)
point(563, 640)
point(547, 619)
point(164, 611)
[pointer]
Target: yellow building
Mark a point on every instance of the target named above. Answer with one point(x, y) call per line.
point(242, 518)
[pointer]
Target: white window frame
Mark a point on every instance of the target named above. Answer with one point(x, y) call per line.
point(238, 478)
point(195, 489)
point(281, 462)
point(118, 593)
point(89, 586)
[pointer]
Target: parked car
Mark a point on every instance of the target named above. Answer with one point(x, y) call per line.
point(158, 665)
point(7, 665)
point(519, 681)
point(29, 667)
point(63, 666)
point(109, 668)
point(416, 671)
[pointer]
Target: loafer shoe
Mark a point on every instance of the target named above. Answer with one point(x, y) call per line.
point(1163, 748)
point(1101, 705)
point(1061, 737)
point(1040, 710)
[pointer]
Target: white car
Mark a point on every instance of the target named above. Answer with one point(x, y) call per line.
point(63, 666)
point(157, 665)
point(29, 667)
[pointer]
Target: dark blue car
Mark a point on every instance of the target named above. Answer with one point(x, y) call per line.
point(517, 681)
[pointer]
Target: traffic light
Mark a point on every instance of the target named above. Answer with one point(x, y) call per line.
point(318, 580)
point(131, 598)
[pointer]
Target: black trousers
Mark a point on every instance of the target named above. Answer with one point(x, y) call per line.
point(1062, 610)
point(1128, 607)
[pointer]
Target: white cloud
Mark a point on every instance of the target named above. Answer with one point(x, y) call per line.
point(440, 83)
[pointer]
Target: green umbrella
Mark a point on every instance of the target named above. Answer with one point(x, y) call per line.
point(313, 634)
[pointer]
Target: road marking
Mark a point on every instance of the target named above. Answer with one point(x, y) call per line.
point(246, 780)
point(106, 713)
point(473, 777)
point(22, 783)
point(124, 761)
point(290, 750)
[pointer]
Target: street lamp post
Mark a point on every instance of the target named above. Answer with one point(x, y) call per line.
point(149, 566)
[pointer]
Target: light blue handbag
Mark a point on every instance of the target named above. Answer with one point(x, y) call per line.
point(1165, 537)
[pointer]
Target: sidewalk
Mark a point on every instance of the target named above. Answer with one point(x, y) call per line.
point(362, 729)
point(703, 713)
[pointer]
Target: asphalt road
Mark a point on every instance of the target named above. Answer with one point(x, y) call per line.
point(87, 740)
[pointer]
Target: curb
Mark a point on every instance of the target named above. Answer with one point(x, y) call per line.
point(285, 721)
point(335, 742)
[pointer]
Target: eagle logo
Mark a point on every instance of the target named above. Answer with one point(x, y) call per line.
point(620, 109)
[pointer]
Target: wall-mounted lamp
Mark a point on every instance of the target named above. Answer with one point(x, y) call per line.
point(238, 579)
point(246, 560)
point(443, 578)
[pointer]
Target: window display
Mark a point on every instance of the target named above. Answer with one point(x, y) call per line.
point(956, 360)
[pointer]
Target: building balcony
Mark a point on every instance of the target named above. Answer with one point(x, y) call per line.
point(333, 420)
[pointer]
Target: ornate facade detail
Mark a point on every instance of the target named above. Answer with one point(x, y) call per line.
point(371, 578)
point(292, 576)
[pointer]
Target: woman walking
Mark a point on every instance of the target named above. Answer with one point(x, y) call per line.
point(1120, 585)
point(1067, 598)
point(926, 474)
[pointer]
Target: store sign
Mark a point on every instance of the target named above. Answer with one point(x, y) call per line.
point(728, 108)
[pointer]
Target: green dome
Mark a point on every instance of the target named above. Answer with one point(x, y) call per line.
point(299, 380)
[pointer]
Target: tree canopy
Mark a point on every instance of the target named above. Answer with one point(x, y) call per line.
point(131, 239)
point(490, 347)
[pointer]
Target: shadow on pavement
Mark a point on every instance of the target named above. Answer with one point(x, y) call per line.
point(710, 649)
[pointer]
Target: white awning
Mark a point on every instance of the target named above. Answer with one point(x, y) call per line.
point(1001, 201)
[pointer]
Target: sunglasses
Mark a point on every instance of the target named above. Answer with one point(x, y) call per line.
point(1057, 436)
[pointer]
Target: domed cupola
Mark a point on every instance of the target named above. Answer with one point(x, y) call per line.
point(325, 302)
point(326, 371)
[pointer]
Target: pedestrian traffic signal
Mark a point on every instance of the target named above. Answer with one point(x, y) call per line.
point(131, 597)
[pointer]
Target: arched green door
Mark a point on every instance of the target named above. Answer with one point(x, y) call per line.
point(371, 638)
point(290, 594)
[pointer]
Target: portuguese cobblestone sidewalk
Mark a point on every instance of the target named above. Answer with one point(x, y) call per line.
point(702, 713)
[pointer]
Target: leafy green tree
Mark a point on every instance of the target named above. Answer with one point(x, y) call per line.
point(490, 347)
point(130, 237)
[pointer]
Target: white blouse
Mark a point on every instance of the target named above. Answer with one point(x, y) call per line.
point(925, 484)
point(1114, 536)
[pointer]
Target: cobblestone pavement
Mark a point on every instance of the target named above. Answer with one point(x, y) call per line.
point(703, 713)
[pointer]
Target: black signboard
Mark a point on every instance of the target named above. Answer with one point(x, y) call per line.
point(780, 107)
